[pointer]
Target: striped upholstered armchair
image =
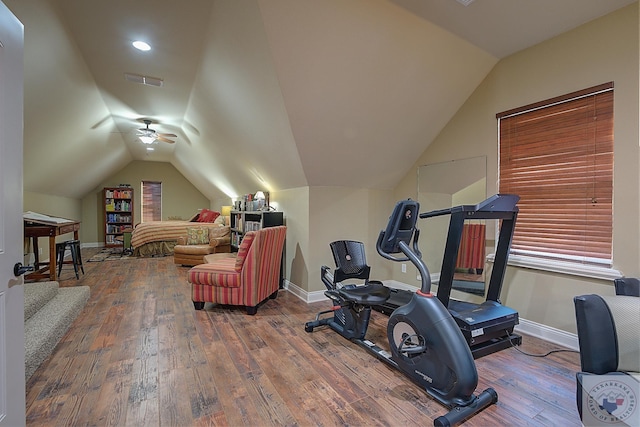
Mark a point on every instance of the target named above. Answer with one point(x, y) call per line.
point(247, 279)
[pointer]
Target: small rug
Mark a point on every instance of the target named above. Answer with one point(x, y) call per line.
point(109, 255)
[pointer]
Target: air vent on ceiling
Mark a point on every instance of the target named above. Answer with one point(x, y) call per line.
point(144, 80)
point(465, 2)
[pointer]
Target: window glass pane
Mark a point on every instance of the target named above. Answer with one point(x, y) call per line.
point(558, 157)
point(151, 201)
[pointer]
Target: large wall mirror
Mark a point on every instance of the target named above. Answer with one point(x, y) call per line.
point(444, 185)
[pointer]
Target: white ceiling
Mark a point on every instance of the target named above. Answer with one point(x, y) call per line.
point(262, 94)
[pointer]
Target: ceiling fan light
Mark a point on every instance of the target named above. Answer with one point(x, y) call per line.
point(147, 139)
point(140, 45)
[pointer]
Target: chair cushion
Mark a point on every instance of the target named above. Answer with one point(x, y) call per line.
point(209, 259)
point(197, 236)
point(218, 232)
point(243, 250)
point(221, 272)
point(194, 249)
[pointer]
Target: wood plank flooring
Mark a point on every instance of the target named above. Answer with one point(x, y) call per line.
point(140, 355)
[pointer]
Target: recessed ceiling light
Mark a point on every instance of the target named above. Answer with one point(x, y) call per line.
point(150, 148)
point(140, 45)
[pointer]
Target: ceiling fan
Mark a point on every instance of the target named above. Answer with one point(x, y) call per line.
point(149, 136)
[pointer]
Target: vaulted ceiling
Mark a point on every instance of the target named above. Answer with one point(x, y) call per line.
point(262, 94)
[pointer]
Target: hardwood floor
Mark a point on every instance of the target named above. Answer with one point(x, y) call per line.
point(140, 355)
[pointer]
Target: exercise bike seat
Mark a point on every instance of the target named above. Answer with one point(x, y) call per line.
point(369, 294)
point(351, 263)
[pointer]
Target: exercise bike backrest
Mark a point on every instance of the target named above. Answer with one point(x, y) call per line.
point(396, 238)
point(350, 260)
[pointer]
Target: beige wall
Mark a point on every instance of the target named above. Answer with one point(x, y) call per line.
point(344, 213)
point(316, 216)
point(294, 203)
point(598, 52)
point(179, 196)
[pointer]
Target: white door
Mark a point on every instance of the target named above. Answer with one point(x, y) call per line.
point(12, 386)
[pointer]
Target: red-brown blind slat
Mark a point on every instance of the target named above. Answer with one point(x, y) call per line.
point(559, 160)
point(151, 201)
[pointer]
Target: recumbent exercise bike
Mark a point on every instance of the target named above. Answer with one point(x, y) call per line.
point(426, 343)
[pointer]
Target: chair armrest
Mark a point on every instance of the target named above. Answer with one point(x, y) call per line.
point(219, 241)
point(596, 335)
point(607, 333)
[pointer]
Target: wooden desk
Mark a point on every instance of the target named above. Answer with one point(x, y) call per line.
point(35, 229)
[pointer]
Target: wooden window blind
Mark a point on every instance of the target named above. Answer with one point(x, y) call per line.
point(151, 201)
point(557, 155)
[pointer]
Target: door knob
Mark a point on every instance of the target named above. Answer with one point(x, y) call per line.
point(19, 269)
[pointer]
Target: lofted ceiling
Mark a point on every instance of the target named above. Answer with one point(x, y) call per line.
point(262, 94)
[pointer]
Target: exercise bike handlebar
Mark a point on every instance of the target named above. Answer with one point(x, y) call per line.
point(415, 258)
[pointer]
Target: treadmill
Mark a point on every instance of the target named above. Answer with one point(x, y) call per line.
point(487, 327)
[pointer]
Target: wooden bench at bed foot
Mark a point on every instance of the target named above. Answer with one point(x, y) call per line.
point(194, 254)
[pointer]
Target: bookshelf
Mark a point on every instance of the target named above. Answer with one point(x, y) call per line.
point(118, 214)
point(244, 221)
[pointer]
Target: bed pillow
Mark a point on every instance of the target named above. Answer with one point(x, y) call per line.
point(197, 236)
point(207, 215)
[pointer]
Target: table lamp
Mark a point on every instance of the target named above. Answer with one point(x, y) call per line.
point(259, 196)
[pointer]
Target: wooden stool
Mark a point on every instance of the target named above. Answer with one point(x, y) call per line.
point(76, 257)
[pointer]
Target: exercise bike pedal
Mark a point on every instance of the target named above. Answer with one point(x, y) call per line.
point(421, 347)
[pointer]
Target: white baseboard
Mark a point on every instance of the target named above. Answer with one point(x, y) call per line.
point(547, 333)
point(308, 297)
point(92, 245)
point(538, 330)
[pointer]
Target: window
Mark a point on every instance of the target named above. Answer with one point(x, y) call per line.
point(151, 201)
point(557, 155)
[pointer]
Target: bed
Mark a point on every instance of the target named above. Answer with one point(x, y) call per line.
point(157, 238)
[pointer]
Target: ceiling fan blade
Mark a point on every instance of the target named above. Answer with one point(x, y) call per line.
point(163, 139)
point(168, 135)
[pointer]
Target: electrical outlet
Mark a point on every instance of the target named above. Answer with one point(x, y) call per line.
point(404, 268)
point(418, 277)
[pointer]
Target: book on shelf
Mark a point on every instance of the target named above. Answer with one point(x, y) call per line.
point(118, 194)
point(252, 226)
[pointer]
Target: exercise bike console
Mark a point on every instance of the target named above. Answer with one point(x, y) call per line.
point(425, 342)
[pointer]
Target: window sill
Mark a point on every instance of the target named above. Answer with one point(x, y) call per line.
point(574, 269)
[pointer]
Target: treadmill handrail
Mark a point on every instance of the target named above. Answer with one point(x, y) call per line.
point(493, 207)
